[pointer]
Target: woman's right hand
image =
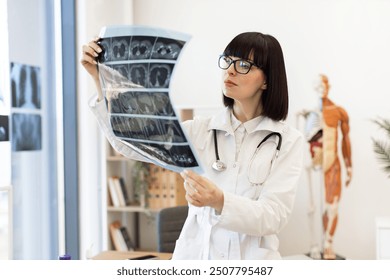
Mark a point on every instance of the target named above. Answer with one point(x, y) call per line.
point(88, 59)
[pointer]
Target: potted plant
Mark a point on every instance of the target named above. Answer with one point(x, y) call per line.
point(140, 173)
point(382, 148)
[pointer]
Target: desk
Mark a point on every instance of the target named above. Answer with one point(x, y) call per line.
point(124, 255)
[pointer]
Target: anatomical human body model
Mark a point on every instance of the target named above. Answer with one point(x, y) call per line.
point(333, 118)
point(322, 134)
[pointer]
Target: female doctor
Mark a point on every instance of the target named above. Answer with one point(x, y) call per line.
point(253, 160)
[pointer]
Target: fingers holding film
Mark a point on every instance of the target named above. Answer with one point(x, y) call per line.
point(193, 178)
point(95, 47)
point(192, 194)
point(190, 188)
point(91, 51)
point(192, 201)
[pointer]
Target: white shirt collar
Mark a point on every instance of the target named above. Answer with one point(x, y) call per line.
point(234, 121)
point(226, 121)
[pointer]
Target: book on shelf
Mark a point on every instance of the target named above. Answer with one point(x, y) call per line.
point(120, 237)
point(129, 244)
point(116, 236)
point(124, 190)
point(118, 189)
point(113, 192)
point(118, 192)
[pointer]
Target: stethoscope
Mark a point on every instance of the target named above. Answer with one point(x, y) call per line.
point(220, 166)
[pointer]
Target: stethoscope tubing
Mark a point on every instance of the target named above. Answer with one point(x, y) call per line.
point(218, 165)
point(270, 135)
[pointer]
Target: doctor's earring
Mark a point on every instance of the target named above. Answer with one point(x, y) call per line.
point(264, 86)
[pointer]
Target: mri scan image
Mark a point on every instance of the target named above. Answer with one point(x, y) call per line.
point(150, 129)
point(180, 156)
point(163, 104)
point(139, 74)
point(123, 70)
point(167, 49)
point(160, 75)
point(120, 48)
point(141, 103)
point(135, 70)
point(141, 47)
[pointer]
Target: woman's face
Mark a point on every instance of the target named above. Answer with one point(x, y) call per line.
point(243, 87)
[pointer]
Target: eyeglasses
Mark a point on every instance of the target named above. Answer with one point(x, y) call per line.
point(241, 66)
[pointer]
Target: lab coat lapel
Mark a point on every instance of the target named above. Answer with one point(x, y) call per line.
point(266, 124)
point(221, 121)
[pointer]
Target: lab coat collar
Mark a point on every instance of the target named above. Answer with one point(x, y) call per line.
point(222, 121)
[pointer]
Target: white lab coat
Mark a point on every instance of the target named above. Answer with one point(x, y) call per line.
point(252, 216)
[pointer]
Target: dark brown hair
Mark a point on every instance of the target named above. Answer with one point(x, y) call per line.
point(267, 55)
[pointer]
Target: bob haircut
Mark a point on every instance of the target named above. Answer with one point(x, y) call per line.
point(268, 56)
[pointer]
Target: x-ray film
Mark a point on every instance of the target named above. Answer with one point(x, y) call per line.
point(135, 68)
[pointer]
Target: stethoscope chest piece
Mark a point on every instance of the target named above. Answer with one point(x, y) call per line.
point(219, 166)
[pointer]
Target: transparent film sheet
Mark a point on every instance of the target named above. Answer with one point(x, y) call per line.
point(135, 68)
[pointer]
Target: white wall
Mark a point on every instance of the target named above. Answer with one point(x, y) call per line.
point(347, 40)
point(92, 15)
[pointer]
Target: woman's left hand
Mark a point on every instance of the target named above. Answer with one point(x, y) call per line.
point(202, 192)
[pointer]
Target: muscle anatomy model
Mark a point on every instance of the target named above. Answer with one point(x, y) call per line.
point(322, 131)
